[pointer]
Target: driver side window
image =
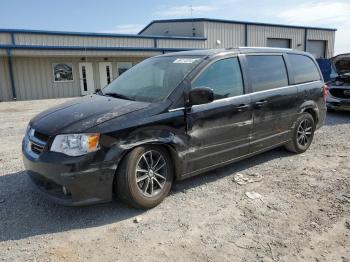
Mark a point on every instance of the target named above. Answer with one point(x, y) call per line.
point(224, 77)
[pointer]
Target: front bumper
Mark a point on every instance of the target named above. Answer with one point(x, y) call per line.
point(338, 103)
point(70, 181)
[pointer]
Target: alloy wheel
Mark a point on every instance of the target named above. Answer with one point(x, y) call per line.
point(304, 133)
point(151, 173)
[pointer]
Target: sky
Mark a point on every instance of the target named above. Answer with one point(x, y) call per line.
point(131, 16)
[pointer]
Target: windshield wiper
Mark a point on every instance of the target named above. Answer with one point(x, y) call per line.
point(116, 95)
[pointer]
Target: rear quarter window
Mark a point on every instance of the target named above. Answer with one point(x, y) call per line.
point(266, 72)
point(303, 68)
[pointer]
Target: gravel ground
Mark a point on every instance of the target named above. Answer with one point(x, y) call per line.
point(301, 210)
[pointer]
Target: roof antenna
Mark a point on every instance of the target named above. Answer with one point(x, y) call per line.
point(193, 28)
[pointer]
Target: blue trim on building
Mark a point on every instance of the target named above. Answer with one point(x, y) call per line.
point(230, 22)
point(93, 48)
point(47, 32)
point(12, 79)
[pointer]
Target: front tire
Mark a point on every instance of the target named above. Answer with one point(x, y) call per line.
point(302, 134)
point(145, 177)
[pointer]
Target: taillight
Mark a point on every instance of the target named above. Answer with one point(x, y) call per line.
point(325, 91)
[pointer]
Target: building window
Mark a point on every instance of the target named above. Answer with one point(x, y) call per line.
point(122, 67)
point(108, 71)
point(83, 70)
point(63, 72)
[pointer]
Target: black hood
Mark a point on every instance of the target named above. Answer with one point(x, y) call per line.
point(77, 115)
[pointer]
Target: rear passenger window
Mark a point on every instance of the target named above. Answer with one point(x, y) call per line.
point(304, 69)
point(267, 72)
point(224, 77)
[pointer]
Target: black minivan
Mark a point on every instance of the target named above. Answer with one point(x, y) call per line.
point(171, 117)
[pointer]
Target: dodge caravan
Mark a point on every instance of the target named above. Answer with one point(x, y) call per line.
point(171, 117)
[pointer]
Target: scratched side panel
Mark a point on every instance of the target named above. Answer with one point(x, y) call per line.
point(218, 132)
point(273, 121)
point(126, 132)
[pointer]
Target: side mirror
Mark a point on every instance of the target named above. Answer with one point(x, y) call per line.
point(201, 95)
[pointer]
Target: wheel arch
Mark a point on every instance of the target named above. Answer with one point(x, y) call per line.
point(176, 161)
point(311, 108)
point(174, 155)
point(173, 144)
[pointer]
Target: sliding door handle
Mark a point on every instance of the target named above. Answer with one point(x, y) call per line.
point(260, 103)
point(242, 107)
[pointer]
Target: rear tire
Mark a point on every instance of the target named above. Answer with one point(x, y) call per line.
point(145, 177)
point(302, 134)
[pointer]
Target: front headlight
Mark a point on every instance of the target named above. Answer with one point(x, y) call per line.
point(29, 131)
point(76, 144)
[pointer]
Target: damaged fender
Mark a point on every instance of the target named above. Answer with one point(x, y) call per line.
point(157, 135)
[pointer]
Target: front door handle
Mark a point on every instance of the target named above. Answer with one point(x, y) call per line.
point(242, 107)
point(260, 104)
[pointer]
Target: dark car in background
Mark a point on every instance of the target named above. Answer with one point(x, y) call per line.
point(339, 84)
point(172, 117)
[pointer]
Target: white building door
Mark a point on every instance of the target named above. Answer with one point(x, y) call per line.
point(106, 77)
point(86, 75)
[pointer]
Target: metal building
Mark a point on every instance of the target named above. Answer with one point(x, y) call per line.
point(47, 64)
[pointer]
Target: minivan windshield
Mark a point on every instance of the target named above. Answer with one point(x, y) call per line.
point(153, 79)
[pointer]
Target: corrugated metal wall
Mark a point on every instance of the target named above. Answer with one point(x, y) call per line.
point(329, 36)
point(257, 35)
point(230, 35)
point(5, 84)
point(169, 43)
point(81, 54)
point(34, 77)
point(175, 29)
point(5, 38)
point(68, 40)
point(32, 68)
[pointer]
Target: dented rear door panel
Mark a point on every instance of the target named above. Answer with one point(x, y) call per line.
point(218, 132)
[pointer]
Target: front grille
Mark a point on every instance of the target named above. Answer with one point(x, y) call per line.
point(341, 93)
point(41, 136)
point(37, 141)
point(37, 149)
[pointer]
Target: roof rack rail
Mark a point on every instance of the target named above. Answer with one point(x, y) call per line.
point(263, 47)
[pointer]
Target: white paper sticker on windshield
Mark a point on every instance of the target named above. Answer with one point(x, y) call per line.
point(185, 60)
